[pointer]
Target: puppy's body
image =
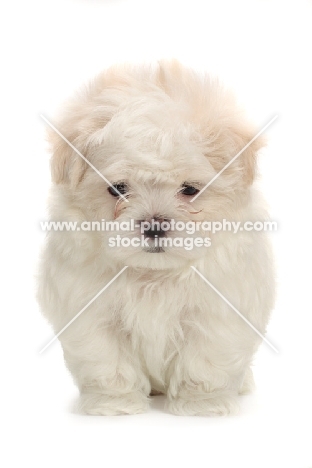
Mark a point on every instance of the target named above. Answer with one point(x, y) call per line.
point(158, 327)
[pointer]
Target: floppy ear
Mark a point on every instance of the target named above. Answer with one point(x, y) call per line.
point(242, 135)
point(67, 167)
point(81, 118)
point(227, 148)
point(77, 126)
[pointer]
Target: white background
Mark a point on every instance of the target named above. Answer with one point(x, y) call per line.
point(263, 50)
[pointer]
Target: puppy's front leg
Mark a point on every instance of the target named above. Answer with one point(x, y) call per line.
point(107, 372)
point(206, 378)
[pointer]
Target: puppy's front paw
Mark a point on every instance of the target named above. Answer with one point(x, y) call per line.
point(110, 405)
point(209, 406)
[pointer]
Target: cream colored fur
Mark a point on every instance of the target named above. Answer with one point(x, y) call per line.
point(159, 327)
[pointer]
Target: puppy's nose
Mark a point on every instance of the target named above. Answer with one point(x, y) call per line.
point(155, 229)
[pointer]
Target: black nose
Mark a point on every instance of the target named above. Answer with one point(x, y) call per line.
point(155, 230)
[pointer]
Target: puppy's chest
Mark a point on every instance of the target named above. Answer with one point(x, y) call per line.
point(153, 321)
point(151, 315)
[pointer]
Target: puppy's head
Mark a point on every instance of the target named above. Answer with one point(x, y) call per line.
point(158, 136)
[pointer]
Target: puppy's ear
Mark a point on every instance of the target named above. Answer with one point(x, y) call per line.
point(82, 116)
point(242, 135)
point(67, 167)
point(226, 147)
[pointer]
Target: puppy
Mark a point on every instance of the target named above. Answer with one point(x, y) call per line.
point(158, 135)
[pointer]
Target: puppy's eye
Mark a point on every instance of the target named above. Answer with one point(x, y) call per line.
point(115, 188)
point(188, 190)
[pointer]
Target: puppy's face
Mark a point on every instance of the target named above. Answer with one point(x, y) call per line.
point(158, 151)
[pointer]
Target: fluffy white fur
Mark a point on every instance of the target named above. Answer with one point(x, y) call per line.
point(159, 327)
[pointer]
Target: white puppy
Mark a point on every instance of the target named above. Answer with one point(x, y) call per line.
point(159, 135)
